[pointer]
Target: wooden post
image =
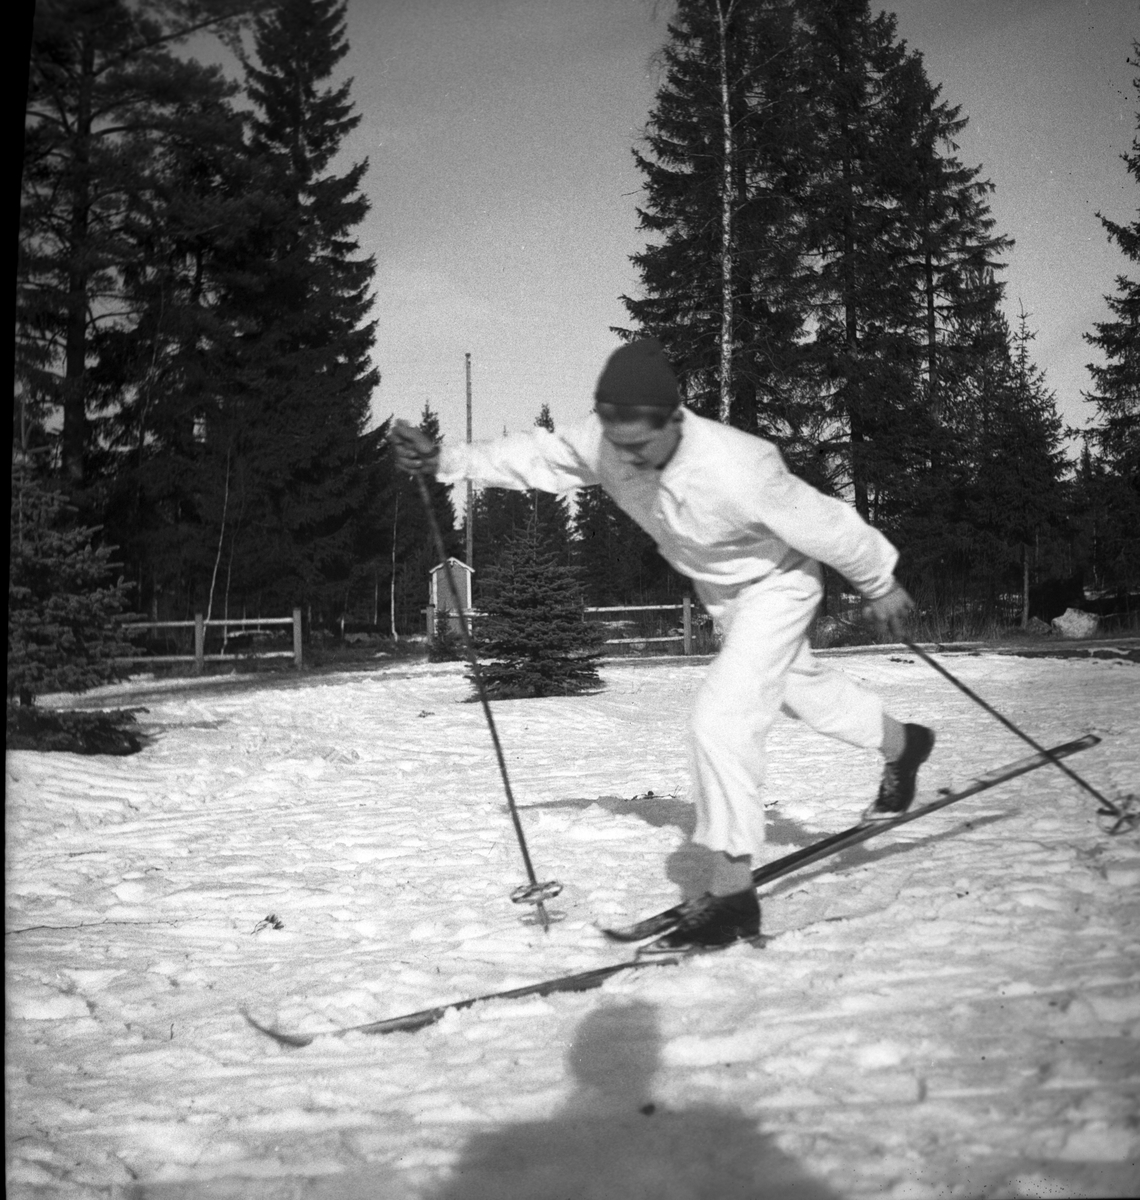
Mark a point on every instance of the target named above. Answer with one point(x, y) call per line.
point(430, 610)
point(688, 625)
point(298, 653)
point(470, 489)
point(199, 643)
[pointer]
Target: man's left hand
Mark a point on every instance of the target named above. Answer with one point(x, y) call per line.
point(890, 612)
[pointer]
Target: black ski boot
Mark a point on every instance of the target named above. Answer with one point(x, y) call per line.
point(714, 921)
point(896, 791)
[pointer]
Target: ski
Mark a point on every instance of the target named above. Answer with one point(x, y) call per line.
point(664, 922)
point(579, 981)
point(657, 926)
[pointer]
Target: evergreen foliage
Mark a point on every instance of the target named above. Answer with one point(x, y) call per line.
point(533, 636)
point(617, 561)
point(1113, 484)
point(815, 238)
point(61, 599)
point(501, 513)
point(107, 100)
point(823, 271)
point(298, 381)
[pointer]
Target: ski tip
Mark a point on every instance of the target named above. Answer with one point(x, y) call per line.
point(294, 1040)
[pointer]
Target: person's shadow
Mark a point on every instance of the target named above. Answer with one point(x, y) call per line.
point(613, 1141)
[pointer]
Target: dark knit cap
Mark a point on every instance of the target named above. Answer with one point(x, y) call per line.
point(638, 375)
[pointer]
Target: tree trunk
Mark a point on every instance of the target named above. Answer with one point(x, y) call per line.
point(1024, 586)
point(727, 205)
point(74, 437)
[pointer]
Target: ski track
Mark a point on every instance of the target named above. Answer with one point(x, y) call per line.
point(950, 1010)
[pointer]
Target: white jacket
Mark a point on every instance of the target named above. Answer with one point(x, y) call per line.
point(725, 510)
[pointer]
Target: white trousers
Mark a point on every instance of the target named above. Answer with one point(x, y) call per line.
point(765, 666)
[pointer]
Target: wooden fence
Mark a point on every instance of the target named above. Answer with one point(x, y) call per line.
point(685, 636)
point(200, 625)
point(685, 608)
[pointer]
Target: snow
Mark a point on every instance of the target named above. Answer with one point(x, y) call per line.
point(950, 1010)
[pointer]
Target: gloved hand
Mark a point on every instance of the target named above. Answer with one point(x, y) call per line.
point(415, 452)
point(890, 612)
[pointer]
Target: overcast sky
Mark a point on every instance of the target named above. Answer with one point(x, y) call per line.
point(503, 189)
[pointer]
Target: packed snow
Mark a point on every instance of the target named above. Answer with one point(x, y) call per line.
point(952, 1009)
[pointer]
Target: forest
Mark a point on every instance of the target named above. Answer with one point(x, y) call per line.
point(196, 361)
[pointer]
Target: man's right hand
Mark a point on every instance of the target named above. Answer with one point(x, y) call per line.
point(415, 452)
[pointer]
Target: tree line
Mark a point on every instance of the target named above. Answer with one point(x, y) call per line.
point(826, 273)
point(194, 347)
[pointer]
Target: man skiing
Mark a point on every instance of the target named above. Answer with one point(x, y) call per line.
point(725, 511)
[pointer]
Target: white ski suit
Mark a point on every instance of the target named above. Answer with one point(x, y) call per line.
point(726, 512)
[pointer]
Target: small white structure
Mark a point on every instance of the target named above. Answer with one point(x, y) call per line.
point(440, 598)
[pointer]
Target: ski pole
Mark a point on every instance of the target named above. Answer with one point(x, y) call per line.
point(532, 892)
point(1109, 809)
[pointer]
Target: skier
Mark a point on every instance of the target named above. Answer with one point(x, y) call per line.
point(725, 511)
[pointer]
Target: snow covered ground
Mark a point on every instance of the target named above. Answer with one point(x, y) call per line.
point(950, 1010)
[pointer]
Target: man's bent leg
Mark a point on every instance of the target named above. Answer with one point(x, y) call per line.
point(736, 705)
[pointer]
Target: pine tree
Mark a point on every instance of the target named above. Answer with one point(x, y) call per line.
point(616, 560)
point(1014, 497)
point(722, 281)
point(899, 229)
point(298, 383)
point(1116, 435)
point(551, 513)
point(156, 383)
point(816, 241)
point(61, 598)
point(501, 513)
point(105, 92)
point(533, 633)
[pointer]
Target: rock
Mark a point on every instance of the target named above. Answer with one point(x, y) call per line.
point(1073, 623)
point(1037, 627)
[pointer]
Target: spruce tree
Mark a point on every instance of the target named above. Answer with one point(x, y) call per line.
point(105, 92)
point(62, 599)
point(1115, 436)
point(298, 383)
point(616, 560)
point(898, 228)
point(533, 636)
point(721, 279)
point(501, 513)
point(1014, 496)
point(551, 513)
point(160, 466)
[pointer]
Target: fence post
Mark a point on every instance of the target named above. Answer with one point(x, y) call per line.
point(430, 610)
point(688, 625)
point(199, 643)
point(298, 656)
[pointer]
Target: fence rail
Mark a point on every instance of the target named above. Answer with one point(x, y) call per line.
point(685, 608)
point(199, 624)
point(685, 637)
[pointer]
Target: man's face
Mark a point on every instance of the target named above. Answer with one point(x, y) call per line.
point(642, 443)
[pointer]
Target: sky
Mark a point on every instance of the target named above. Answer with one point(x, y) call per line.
point(504, 192)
